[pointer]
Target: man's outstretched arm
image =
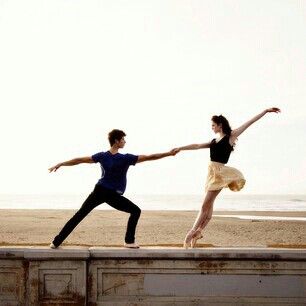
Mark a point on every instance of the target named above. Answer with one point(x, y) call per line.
point(72, 162)
point(142, 158)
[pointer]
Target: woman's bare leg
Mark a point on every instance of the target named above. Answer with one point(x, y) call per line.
point(206, 211)
point(203, 217)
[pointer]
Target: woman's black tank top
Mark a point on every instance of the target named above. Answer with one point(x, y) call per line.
point(220, 151)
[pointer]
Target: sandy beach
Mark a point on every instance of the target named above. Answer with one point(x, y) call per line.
point(155, 228)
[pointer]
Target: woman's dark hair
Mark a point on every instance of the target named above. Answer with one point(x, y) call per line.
point(224, 122)
point(226, 128)
point(115, 135)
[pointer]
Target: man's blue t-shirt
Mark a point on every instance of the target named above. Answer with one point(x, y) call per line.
point(114, 168)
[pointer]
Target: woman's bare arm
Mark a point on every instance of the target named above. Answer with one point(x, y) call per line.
point(235, 133)
point(195, 146)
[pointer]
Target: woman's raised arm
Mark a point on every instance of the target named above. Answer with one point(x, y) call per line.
point(235, 133)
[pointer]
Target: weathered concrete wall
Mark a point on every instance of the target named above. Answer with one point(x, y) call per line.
point(111, 276)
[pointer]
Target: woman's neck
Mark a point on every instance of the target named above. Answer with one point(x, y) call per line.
point(221, 135)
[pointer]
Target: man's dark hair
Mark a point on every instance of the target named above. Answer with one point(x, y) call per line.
point(115, 135)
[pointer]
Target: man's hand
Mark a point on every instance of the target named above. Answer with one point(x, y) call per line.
point(174, 151)
point(54, 168)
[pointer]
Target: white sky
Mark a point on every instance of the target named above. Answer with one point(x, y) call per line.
point(70, 71)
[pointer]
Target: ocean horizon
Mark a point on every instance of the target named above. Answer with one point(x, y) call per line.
point(233, 202)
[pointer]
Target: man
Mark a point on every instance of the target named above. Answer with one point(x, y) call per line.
point(110, 187)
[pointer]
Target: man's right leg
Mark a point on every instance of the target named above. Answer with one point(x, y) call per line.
point(93, 200)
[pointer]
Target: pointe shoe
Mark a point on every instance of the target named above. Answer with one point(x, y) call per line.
point(52, 246)
point(197, 235)
point(188, 238)
point(187, 244)
point(131, 245)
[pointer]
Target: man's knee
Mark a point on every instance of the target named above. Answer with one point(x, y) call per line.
point(136, 211)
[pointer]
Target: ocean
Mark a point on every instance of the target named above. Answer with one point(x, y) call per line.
point(234, 202)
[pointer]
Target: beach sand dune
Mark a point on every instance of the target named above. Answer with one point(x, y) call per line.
point(155, 228)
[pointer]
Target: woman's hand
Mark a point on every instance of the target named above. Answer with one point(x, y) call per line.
point(54, 168)
point(273, 110)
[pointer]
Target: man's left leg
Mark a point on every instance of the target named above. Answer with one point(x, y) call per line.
point(123, 204)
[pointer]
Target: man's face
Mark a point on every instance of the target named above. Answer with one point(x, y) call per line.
point(121, 142)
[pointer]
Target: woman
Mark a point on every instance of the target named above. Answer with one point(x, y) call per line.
point(219, 176)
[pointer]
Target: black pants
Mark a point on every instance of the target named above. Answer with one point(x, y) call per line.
point(98, 196)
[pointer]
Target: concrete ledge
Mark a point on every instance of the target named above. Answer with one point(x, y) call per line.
point(158, 253)
point(71, 254)
point(9, 252)
point(207, 253)
point(152, 276)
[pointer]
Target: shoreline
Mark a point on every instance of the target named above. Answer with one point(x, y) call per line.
point(216, 213)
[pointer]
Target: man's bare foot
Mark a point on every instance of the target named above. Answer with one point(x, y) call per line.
point(131, 245)
point(52, 246)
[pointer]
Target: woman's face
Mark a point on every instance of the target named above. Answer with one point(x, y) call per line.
point(216, 127)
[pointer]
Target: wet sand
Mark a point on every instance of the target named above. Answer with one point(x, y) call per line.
point(155, 228)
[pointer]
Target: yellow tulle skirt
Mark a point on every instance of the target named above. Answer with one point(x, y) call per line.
point(220, 176)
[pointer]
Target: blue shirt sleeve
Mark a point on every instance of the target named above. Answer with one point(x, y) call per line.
point(97, 158)
point(131, 159)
